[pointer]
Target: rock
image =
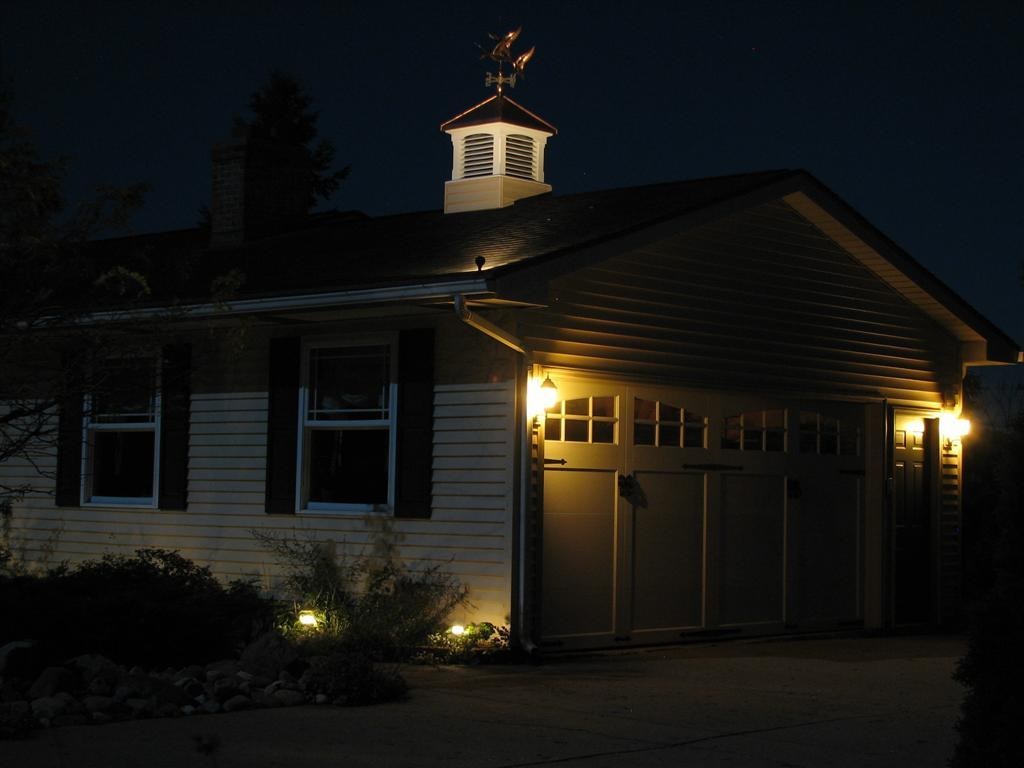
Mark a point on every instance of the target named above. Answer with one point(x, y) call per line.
point(322, 698)
point(267, 655)
point(168, 693)
point(98, 703)
point(12, 654)
point(261, 699)
point(290, 698)
point(50, 681)
point(140, 707)
point(101, 717)
point(225, 688)
point(10, 692)
point(48, 707)
point(220, 669)
point(212, 707)
point(99, 687)
point(191, 686)
point(189, 709)
point(238, 703)
point(124, 692)
point(94, 667)
point(16, 720)
point(191, 672)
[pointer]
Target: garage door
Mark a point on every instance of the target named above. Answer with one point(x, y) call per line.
point(670, 513)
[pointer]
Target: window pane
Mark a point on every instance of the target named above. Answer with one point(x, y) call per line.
point(576, 431)
point(348, 466)
point(668, 434)
point(669, 413)
point(122, 463)
point(349, 383)
point(731, 432)
point(124, 393)
point(693, 434)
point(604, 432)
point(578, 407)
point(643, 434)
point(849, 441)
point(604, 406)
point(644, 409)
point(774, 440)
point(553, 429)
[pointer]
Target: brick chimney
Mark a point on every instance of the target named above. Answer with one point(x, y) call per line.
point(260, 188)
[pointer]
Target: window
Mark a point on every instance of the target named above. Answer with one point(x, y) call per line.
point(121, 425)
point(828, 436)
point(346, 451)
point(755, 431)
point(582, 420)
point(663, 424)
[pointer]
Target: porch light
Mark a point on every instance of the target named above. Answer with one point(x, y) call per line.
point(952, 428)
point(308, 619)
point(540, 396)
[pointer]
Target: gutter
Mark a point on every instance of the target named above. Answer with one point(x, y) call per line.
point(308, 301)
point(520, 452)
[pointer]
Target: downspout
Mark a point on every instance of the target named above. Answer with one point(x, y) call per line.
point(521, 459)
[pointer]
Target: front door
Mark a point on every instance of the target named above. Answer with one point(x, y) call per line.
point(912, 529)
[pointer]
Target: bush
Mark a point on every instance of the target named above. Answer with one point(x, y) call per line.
point(369, 615)
point(154, 609)
point(991, 670)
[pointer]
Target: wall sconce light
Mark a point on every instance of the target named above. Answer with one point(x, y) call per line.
point(540, 396)
point(952, 429)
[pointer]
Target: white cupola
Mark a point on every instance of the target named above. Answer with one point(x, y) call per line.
point(498, 155)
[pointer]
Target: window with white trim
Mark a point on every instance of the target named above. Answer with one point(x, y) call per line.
point(121, 436)
point(346, 452)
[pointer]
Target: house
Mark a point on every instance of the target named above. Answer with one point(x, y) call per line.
point(752, 428)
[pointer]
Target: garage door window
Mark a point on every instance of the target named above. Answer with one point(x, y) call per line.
point(583, 420)
point(664, 424)
point(755, 431)
point(828, 435)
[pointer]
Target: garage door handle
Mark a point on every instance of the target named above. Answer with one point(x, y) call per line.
point(715, 467)
point(563, 462)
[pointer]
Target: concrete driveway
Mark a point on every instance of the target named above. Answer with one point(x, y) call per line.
point(795, 702)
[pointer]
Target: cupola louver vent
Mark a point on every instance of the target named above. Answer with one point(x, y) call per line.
point(520, 157)
point(478, 155)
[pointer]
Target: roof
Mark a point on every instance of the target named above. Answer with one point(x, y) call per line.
point(525, 244)
point(499, 108)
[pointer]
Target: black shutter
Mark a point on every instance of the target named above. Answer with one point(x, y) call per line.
point(69, 450)
point(176, 395)
point(282, 423)
point(415, 423)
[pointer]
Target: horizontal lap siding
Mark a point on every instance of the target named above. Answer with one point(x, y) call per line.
point(761, 299)
point(467, 536)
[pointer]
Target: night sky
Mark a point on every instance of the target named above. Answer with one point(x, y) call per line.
point(911, 112)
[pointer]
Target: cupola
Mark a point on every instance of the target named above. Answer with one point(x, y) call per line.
point(497, 145)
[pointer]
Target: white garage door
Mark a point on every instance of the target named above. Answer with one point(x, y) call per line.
point(669, 513)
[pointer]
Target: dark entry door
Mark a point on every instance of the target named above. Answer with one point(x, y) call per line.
point(912, 529)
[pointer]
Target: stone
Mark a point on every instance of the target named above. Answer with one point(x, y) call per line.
point(219, 669)
point(98, 703)
point(50, 681)
point(99, 687)
point(94, 667)
point(101, 717)
point(140, 707)
point(267, 655)
point(290, 698)
point(238, 703)
point(322, 698)
point(212, 707)
point(192, 672)
point(167, 709)
point(12, 653)
point(72, 718)
point(191, 686)
point(225, 688)
point(48, 707)
point(189, 709)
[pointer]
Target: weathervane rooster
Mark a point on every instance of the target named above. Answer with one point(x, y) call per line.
point(502, 53)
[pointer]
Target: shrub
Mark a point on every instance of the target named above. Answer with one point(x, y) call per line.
point(991, 670)
point(154, 608)
point(375, 606)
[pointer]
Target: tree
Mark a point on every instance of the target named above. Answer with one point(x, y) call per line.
point(50, 288)
point(281, 112)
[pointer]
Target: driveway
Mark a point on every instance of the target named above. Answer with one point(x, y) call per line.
point(794, 702)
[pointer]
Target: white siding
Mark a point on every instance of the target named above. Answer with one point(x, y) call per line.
point(468, 534)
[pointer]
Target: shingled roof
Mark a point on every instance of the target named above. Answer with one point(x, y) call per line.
point(538, 236)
